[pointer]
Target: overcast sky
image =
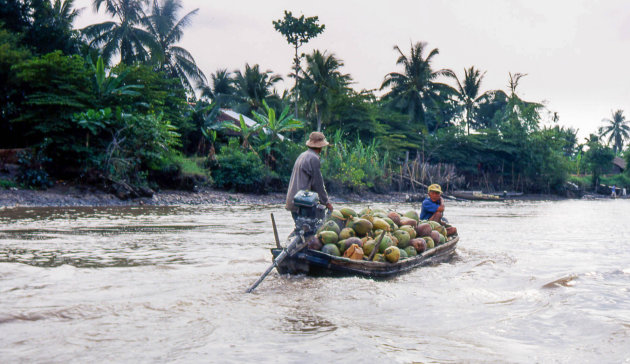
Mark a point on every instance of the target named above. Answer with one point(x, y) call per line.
point(574, 52)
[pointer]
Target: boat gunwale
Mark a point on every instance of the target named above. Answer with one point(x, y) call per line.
point(335, 265)
point(419, 257)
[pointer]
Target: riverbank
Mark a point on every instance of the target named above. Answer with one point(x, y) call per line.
point(67, 196)
point(72, 195)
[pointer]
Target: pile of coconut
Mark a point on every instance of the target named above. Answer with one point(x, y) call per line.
point(395, 236)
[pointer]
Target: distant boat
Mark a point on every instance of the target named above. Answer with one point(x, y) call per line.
point(479, 195)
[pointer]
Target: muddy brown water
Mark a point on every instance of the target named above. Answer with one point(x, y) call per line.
point(531, 282)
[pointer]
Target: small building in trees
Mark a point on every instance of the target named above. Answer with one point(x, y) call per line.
point(619, 165)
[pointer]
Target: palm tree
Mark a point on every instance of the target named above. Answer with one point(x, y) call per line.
point(125, 37)
point(468, 93)
point(221, 90)
point(167, 30)
point(617, 130)
point(63, 11)
point(320, 81)
point(253, 86)
point(520, 115)
point(414, 90)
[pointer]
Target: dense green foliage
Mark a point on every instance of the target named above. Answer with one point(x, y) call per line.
point(122, 102)
point(240, 169)
point(356, 166)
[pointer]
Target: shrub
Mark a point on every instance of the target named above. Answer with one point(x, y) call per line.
point(240, 170)
point(140, 143)
point(180, 172)
point(7, 184)
point(31, 171)
point(355, 166)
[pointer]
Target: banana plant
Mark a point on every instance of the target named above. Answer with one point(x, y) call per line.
point(211, 137)
point(276, 126)
point(244, 130)
point(107, 86)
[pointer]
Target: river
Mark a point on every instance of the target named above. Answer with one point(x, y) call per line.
point(531, 282)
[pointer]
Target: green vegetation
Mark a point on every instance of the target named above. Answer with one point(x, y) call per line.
point(120, 103)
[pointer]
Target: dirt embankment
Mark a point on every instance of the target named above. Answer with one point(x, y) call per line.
point(65, 195)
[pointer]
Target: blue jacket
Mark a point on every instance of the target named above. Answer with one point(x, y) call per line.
point(428, 208)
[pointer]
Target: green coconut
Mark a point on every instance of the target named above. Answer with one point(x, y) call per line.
point(391, 224)
point(442, 239)
point(341, 244)
point(378, 258)
point(331, 249)
point(365, 211)
point(351, 221)
point(346, 233)
point(348, 212)
point(337, 215)
point(441, 229)
point(329, 226)
point(385, 243)
point(434, 224)
point(403, 254)
point(403, 238)
point(362, 227)
point(410, 251)
point(379, 214)
point(410, 230)
point(412, 214)
point(392, 254)
point(338, 218)
point(328, 237)
point(368, 247)
point(380, 224)
point(429, 241)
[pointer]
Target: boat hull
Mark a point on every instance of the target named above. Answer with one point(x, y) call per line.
point(316, 263)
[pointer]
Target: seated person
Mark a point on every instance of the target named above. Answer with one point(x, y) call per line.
point(433, 206)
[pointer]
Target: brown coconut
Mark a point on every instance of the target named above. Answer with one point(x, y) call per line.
point(314, 243)
point(419, 244)
point(395, 217)
point(408, 221)
point(435, 235)
point(423, 229)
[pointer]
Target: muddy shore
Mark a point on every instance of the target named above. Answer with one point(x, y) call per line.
point(66, 195)
point(62, 195)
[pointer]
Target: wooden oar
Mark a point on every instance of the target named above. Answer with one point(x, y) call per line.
point(275, 232)
point(376, 246)
point(298, 243)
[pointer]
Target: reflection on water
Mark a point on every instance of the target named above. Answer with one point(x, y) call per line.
point(529, 283)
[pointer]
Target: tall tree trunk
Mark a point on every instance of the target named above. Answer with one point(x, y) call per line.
point(319, 120)
point(297, 93)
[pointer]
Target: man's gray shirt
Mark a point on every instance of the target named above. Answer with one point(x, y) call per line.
point(306, 175)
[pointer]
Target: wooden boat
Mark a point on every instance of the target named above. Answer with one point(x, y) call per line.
point(316, 263)
point(477, 196)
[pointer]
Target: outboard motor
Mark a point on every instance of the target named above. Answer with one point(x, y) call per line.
point(310, 213)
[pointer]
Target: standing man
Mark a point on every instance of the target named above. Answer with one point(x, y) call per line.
point(306, 173)
point(433, 206)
